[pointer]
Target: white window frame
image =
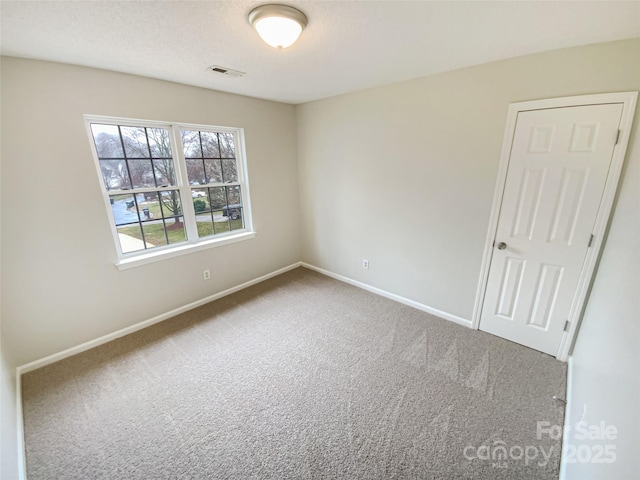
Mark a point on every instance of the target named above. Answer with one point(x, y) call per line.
point(193, 243)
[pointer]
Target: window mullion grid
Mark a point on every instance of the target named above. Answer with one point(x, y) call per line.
point(141, 190)
point(219, 184)
point(180, 165)
point(182, 183)
point(133, 191)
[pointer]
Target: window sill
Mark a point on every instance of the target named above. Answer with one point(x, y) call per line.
point(145, 258)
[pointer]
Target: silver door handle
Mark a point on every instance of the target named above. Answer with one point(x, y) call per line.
point(502, 246)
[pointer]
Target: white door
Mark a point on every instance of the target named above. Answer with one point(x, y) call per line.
point(558, 167)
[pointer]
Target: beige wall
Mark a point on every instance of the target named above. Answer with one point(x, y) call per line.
point(60, 284)
point(404, 175)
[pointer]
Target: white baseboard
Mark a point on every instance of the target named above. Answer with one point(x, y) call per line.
point(567, 417)
point(392, 296)
point(27, 367)
point(22, 460)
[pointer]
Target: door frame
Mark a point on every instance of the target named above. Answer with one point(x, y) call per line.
point(628, 99)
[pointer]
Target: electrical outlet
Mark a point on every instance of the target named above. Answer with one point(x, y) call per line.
point(365, 264)
point(206, 274)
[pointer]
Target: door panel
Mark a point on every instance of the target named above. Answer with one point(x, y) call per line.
point(510, 288)
point(528, 202)
point(566, 216)
point(545, 295)
point(557, 171)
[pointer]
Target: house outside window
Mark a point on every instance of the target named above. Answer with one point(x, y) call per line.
point(170, 188)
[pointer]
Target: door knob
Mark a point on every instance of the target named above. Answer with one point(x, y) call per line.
point(502, 246)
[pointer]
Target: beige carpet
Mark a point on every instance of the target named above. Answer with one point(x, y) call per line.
point(299, 377)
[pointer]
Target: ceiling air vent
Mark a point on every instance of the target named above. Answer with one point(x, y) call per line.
point(227, 71)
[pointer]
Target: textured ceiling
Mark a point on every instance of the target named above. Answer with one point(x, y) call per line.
point(347, 46)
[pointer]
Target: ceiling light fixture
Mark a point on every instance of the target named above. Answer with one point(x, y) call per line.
point(278, 25)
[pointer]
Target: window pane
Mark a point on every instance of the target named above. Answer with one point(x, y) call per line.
point(199, 193)
point(135, 142)
point(148, 197)
point(130, 238)
point(124, 209)
point(140, 221)
point(200, 203)
point(236, 219)
point(234, 196)
point(195, 172)
point(234, 209)
point(164, 172)
point(233, 212)
point(191, 144)
point(220, 223)
point(210, 147)
point(205, 224)
point(154, 234)
point(213, 171)
point(107, 140)
point(175, 230)
point(227, 145)
point(149, 206)
point(115, 174)
point(171, 205)
point(217, 198)
point(226, 205)
point(141, 173)
point(159, 142)
point(230, 171)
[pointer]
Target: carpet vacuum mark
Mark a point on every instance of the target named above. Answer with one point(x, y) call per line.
point(299, 377)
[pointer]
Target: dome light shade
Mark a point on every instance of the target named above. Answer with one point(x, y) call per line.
point(278, 25)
